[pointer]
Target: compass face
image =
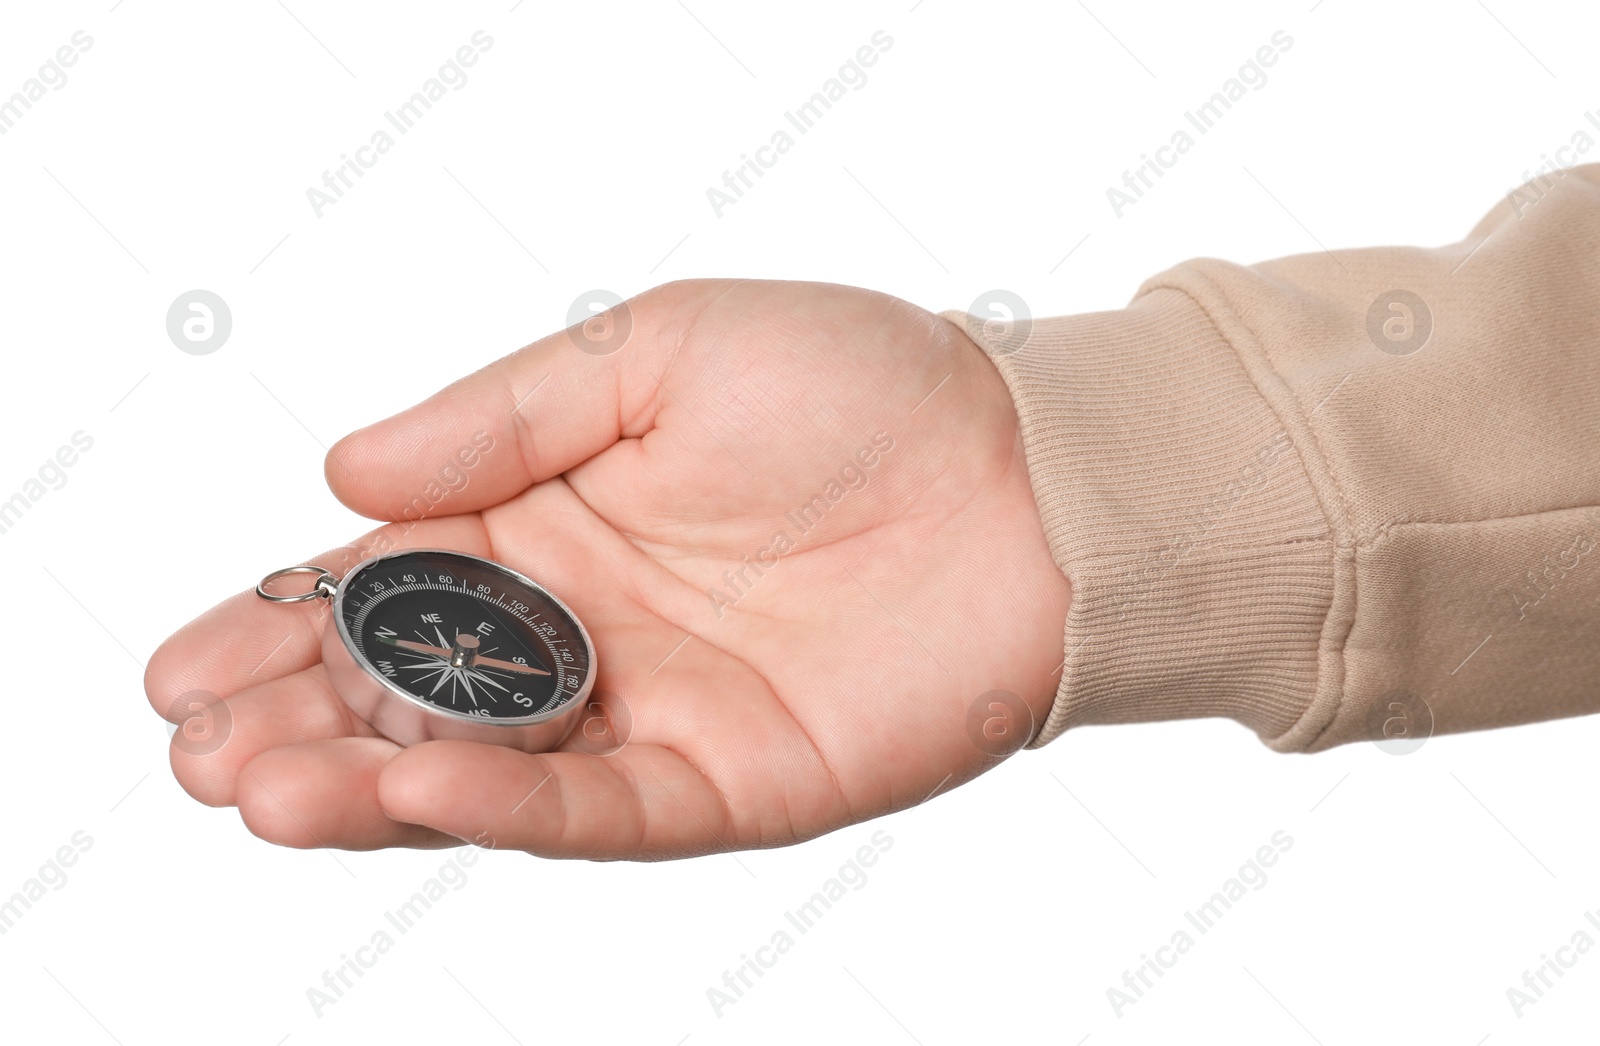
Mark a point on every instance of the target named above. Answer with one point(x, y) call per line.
point(464, 635)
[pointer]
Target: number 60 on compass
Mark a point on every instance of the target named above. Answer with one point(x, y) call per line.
point(428, 644)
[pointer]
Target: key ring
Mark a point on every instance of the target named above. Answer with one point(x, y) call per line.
point(324, 588)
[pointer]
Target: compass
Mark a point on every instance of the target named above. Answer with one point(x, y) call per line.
point(427, 644)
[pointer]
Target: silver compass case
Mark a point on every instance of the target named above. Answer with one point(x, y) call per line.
point(409, 720)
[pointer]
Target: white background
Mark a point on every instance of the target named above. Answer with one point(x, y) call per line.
point(977, 155)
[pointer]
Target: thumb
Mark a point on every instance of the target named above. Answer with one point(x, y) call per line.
point(524, 418)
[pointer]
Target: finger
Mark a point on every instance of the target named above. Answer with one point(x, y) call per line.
point(325, 794)
point(645, 802)
point(246, 641)
point(525, 418)
point(210, 749)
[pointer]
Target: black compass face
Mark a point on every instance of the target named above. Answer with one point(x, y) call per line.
point(464, 635)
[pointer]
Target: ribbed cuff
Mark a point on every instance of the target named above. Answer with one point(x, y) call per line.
point(1176, 500)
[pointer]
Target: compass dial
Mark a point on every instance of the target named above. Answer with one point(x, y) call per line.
point(465, 636)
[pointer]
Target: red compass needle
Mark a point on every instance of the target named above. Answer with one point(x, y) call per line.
point(485, 662)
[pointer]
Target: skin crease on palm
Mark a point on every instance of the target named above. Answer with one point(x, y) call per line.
point(837, 689)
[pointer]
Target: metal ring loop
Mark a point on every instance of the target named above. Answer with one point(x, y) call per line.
point(326, 585)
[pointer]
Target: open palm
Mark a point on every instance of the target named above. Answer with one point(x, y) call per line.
point(797, 522)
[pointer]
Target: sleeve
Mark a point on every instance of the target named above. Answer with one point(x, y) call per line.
point(1340, 496)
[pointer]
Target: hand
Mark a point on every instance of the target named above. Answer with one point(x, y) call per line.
point(754, 690)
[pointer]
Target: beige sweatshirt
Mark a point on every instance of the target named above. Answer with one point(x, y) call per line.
point(1337, 496)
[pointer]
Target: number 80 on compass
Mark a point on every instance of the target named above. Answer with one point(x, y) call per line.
point(429, 644)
